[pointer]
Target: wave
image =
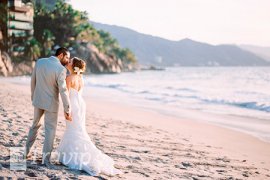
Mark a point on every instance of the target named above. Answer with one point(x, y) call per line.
point(180, 89)
point(180, 95)
point(247, 105)
point(144, 92)
point(254, 105)
point(116, 86)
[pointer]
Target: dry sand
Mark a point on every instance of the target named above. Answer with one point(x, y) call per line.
point(143, 143)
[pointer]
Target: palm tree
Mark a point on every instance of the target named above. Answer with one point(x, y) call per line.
point(32, 49)
point(47, 42)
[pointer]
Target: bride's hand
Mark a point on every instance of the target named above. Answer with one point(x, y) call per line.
point(68, 116)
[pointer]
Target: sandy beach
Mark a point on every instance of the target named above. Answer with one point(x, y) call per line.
point(144, 144)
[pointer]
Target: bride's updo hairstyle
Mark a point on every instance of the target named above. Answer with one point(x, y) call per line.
point(78, 65)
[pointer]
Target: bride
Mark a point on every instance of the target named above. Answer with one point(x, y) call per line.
point(76, 150)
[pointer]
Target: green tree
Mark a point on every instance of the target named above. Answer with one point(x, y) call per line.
point(66, 24)
point(71, 28)
point(110, 46)
point(32, 49)
point(47, 42)
point(126, 55)
point(109, 43)
point(3, 26)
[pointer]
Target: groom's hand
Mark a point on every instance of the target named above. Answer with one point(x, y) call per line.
point(68, 116)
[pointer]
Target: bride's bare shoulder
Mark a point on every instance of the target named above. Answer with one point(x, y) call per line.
point(71, 77)
point(74, 80)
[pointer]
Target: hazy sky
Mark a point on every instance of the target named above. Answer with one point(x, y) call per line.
point(211, 21)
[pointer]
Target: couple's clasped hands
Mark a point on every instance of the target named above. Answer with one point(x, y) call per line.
point(68, 116)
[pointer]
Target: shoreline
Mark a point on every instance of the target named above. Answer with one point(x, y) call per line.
point(232, 141)
point(240, 124)
point(256, 127)
point(141, 141)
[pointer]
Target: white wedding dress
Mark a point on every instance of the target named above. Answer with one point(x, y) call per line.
point(76, 150)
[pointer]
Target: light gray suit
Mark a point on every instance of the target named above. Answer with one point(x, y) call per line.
point(47, 81)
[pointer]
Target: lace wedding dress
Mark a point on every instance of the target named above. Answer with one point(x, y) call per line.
point(76, 150)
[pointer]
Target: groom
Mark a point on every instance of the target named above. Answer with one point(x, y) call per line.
point(47, 81)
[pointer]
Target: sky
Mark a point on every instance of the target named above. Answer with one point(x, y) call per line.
point(209, 21)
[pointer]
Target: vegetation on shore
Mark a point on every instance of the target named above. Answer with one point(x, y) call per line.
point(61, 25)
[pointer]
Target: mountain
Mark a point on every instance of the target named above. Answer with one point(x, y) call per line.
point(151, 50)
point(263, 52)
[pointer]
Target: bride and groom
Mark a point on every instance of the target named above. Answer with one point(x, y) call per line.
point(76, 150)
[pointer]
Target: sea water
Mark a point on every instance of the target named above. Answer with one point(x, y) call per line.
point(239, 94)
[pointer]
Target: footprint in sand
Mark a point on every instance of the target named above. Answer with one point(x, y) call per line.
point(15, 134)
point(31, 173)
point(224, 159)
point(220, 171)
point(18, 116)
point(180, 166)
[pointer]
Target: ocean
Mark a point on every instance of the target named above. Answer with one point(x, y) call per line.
point(213, 89)
point(241, 95)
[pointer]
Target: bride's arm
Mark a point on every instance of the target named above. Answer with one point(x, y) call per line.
point(82, 81)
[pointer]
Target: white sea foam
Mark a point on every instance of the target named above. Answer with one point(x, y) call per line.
point(239, 87)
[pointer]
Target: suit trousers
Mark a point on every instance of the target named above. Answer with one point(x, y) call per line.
point(50, 123)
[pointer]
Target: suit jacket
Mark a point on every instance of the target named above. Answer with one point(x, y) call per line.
point(47, 81)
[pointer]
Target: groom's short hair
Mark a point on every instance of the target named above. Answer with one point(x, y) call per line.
point(61, 50)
